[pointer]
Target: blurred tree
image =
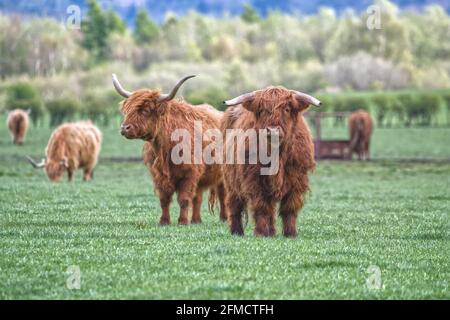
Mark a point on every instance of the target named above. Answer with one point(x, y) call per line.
point(96, 29)
point(249, 14)
point(145, 30)
point(115, 23)
point(320, 29)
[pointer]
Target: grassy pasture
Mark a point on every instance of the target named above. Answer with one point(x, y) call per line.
point(394, 215)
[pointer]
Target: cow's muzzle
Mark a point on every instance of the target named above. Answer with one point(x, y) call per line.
point(125, 130)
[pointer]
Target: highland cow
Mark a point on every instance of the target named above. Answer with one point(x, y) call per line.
point(154, 117)
point(18, 124)
point(278, 112)
point(71, 146)
point(360, 127)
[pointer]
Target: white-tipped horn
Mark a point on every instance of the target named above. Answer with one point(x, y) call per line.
point(307, 98)
point(239, 100)
point(120, 90)
point(171, 95)
point(36, 165)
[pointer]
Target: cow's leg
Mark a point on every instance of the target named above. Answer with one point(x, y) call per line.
point(360, 154)
point(223, 208)
point(164, 200)
point(196, 207)
point(69, 174)
point(87, 174)
point(289, 207)
point(367, 148)
point(186, 193)
point(271, 222)
point(235, 206)
point(262, 212)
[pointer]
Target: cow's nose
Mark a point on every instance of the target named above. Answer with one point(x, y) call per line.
point(124, 128)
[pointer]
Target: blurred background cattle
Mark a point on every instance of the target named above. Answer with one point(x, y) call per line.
point(71, 146)
point(360, 126)
point(17, 123)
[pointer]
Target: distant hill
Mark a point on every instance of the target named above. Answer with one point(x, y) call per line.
point(158, 8)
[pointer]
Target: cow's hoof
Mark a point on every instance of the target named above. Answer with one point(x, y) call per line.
point(183, 222)
point(164, 222)
point(237, 232)
point(196, 221)
point(290, 233)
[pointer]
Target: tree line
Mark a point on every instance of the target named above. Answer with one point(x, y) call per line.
point(328, 54)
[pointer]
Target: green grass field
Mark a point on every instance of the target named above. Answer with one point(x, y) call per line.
point(384, 213)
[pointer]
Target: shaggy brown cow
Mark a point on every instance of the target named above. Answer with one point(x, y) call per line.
point(272, 110)
point(18, 124)
point(153, 117)
point(71, 146)
point(360, 127)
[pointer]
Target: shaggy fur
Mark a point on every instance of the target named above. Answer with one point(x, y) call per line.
point(72, 146)
point(246, 187)
point(154, 122)
point(18, 125)
point(360, 127)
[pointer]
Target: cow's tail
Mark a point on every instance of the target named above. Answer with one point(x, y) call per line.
point(356, 135)
point(18, 130)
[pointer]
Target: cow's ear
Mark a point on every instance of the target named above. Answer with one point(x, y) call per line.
point(299, 105)
point(250, 106)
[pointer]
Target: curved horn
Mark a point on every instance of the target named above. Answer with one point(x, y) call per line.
point(120, 90)
point(36, 165)
point(239, 100)
point(171, 95)
point(307, 98)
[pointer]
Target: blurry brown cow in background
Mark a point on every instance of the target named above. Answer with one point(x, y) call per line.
point(17, 122)
point(154, 117)
point(360, 126)
point(71, 146)
point(274, 110)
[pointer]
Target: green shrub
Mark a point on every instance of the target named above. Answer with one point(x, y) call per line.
point(420, 107)
point(101, 106)
point(24, 96)
point(212, 95)
point(382, 105)
point(61, 110)
point(446, 99)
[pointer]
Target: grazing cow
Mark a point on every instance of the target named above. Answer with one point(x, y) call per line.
point(154, 117)
point(71, 146)
point(360, 127)
point(18, 124)
point(274, 111)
